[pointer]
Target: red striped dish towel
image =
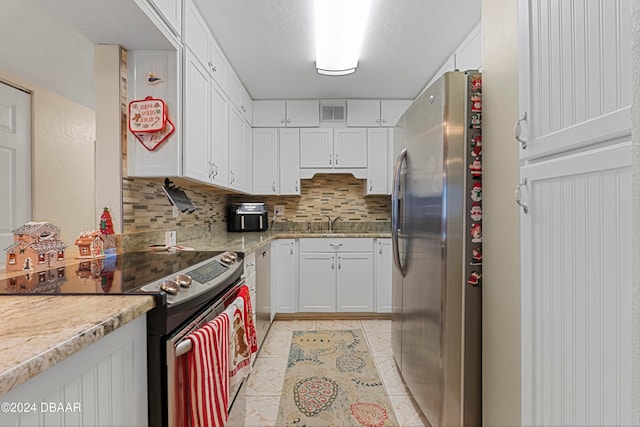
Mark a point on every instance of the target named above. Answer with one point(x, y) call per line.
point(208, 364)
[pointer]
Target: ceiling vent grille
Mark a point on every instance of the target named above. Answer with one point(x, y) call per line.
point(333, 112)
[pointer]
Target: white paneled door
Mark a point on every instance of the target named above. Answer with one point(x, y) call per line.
point(575, 191)
point(15, 161)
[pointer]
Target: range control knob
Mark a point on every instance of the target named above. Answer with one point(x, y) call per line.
point(170, 287)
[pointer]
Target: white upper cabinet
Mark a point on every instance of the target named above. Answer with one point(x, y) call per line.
point(197, 111)
point(198, 38)
point(217, 63)
point(265, 161)
point(574, 74)
point(350, 148)
point(269, 113)
point(377, 161)
point(316, 148)
point(289, 157)
point(280, 113)
point(219, 147)
point(327, 150)
point(171, 11)
point(363, 112)
point(239, 152)
point(469, 54)
point(391, 110)
point(303, 113)
point(375, 112)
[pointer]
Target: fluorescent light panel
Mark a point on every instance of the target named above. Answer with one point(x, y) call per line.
point(340, 26)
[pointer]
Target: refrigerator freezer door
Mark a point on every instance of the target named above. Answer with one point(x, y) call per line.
point(432, 240)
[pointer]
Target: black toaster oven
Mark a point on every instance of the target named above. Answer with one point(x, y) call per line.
point(247, 217)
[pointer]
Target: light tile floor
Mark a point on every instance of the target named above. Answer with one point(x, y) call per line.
point(264, 385)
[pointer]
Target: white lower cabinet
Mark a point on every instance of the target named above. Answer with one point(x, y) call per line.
point(317, 281)
point(104, 383)
point(284, 268)
point(354, 282)
point(382, 275)
point(336, 275)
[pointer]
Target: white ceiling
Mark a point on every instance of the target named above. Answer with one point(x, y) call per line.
point(271, 46)
point(269, 42)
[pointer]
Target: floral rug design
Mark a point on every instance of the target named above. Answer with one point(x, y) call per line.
point(332, 380)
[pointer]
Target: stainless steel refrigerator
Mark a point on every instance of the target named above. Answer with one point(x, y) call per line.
point(437, 249)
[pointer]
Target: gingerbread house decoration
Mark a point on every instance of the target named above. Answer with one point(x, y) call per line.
point(36, 246)
point(90, 244)
point(42, 282)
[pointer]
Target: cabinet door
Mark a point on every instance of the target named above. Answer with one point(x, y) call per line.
point(303, 113)
point(350, 148)
point(317, 282)
point(574, 74)
point(196, 120)
point(576, 288)
point(383, 268)
point(237, 160)
point(285, 265)
point(265, 161)
point(268, 114)
point(377, 161)
point(234, 88)
point(316, 148)
point(354, 285)
point(363, 112)
point(247, 106)
point(289, 161)
point(217, 63)
point(196, 33)
point(248, 160)
point(171, 11)
point(219, 156)
point(391, 110)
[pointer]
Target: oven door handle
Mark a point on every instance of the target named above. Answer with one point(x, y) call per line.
point(183, 347)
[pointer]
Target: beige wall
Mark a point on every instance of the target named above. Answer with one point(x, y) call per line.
point(63, 135)
point(501, 233)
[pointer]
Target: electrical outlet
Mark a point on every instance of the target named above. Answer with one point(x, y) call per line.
point(279, 210)
point(170, 238)
point(175, 211)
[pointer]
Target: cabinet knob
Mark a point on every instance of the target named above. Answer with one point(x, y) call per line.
point(370, 186)
point(281, 120)
point(384, 120)
point(288, 120)
point(214, 69)
point(336, 159)
point(377, 120)
point(297, 186)
point(330, 159)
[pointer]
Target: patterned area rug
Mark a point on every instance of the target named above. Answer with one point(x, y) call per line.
point(332, 380)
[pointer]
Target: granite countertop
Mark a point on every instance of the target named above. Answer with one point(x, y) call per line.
point(250, 241)
point(39, 331)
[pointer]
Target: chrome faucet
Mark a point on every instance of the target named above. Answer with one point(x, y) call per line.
point(328, 222)
point(333, 224)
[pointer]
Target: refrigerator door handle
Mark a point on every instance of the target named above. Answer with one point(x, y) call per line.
point(395, 210)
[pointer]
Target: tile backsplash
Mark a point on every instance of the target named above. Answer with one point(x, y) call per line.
point(147, 212)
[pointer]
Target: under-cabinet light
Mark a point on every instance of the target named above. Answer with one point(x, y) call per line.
point(340, 26)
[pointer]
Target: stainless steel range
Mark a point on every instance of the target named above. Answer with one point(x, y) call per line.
point(190, 288)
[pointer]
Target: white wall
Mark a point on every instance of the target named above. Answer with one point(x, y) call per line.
point(63, 135)
point(501, 233)
point(635, 132)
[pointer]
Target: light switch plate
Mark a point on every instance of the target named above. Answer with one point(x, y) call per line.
point(279, 209)
point(170, 238)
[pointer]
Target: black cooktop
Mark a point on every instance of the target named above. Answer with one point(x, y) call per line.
point(111, 275)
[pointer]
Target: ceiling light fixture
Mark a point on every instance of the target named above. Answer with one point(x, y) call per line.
point(340, 26)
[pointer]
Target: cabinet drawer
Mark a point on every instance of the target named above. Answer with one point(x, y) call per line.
point(250, 264)
point(339, 244)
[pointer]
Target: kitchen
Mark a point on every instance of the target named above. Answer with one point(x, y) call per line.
point(501, 358)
